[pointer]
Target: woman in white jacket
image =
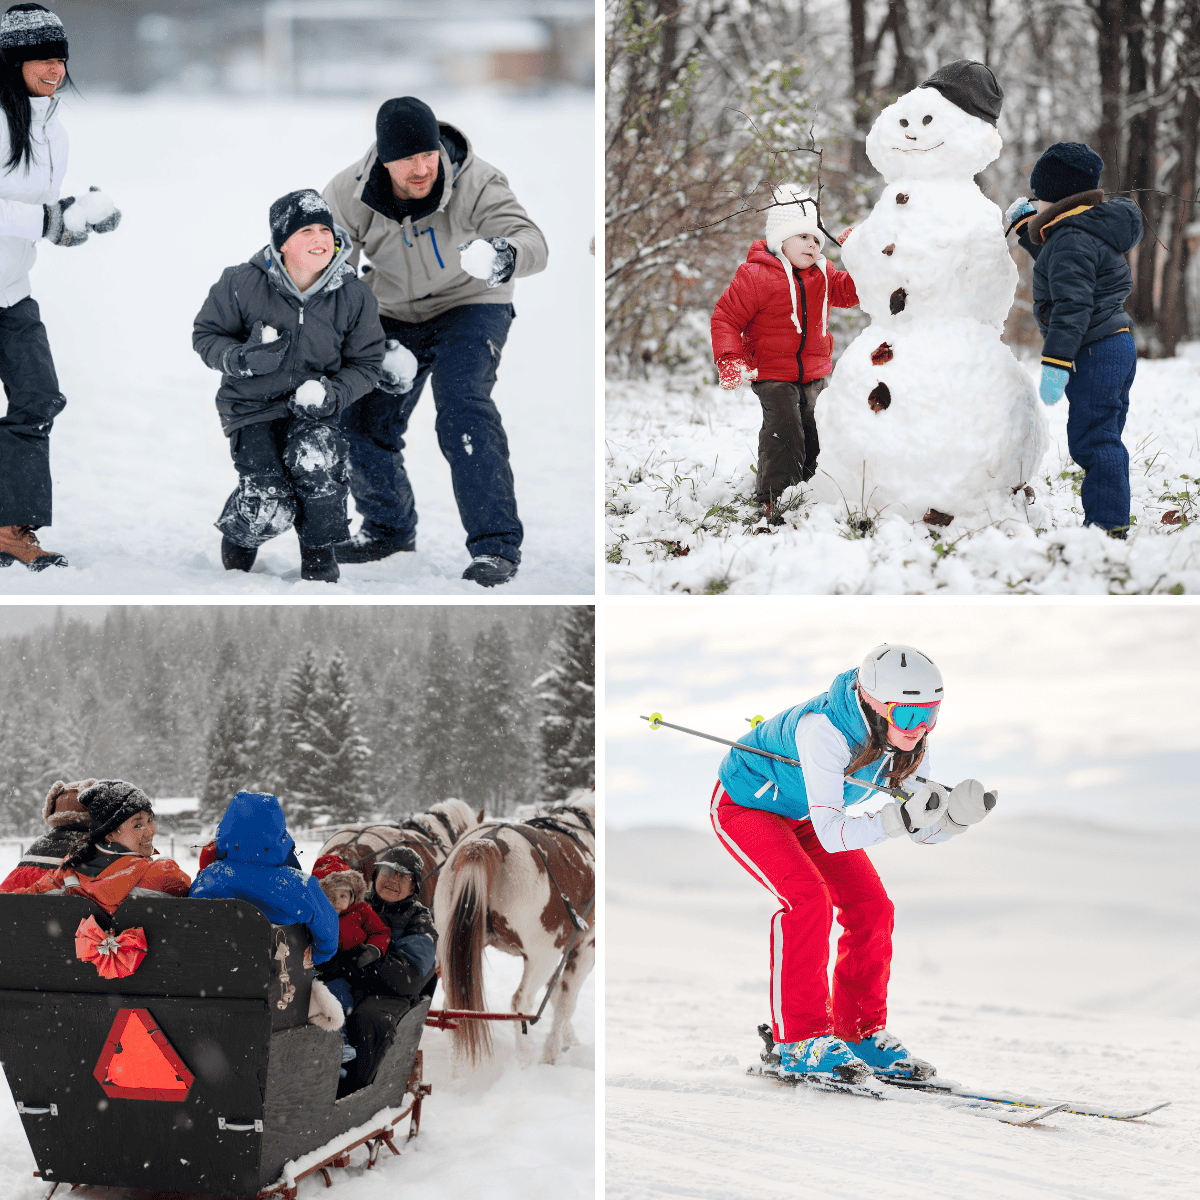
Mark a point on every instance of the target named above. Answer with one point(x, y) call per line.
point(33, 160)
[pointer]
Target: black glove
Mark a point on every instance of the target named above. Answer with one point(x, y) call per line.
point(55, 230)
point(326, 408)
point(254, 356)
point(367, 955)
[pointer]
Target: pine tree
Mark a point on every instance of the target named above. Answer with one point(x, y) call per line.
point(566, 696)
point(440, 749)
point(300, 760)
point(343, 783)
point(495, 769)
point(262, 740)
point(228, 762)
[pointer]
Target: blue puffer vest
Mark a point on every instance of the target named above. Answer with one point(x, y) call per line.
point(756, 782)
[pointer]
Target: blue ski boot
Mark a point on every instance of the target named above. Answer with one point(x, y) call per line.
point(828, 1056)
point(886, 1056)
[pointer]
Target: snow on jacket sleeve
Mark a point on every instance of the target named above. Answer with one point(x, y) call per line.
point(498, 214)
point(824, 755)
point(219, 323)
point(735, 310)
point(362, 350)
point(1072, 282)
point(842, 293)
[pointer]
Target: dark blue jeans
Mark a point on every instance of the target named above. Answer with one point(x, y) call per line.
point(459, 351)
point(31, 384)
point(1098, 394)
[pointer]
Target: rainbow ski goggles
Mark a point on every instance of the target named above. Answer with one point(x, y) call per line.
point(912, 716)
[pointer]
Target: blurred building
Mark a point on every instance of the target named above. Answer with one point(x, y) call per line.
point(322, 47)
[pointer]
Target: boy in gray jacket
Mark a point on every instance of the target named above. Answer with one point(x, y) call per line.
point(297, 339)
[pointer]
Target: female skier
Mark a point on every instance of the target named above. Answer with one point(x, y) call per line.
point(33, 160)
point(788, 827)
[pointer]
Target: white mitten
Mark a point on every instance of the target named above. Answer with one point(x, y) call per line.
point(926, 807)
point(969, 803)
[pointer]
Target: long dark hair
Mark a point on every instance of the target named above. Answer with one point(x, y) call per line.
point(904, 762)
point(14, 99)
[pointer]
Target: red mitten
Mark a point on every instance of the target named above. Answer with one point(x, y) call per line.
point(844, 235)
point(734, 372)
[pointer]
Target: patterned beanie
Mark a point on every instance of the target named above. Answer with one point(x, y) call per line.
point(1065, 169)
point(794, 211)
point(29, 31)
point(294, 211)
point(110, 803)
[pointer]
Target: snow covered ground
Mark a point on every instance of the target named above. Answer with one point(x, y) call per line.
point(140, 467)
point(679, 474)
point(507, 1133)
point(1045, 955)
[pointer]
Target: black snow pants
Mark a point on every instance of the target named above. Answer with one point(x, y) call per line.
point(292, 469)
point(787, 441)
point(31, 384)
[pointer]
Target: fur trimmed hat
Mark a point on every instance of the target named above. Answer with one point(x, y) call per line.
point(334, 874)
point(110, 803)
point(403, 860)
point(63, 807)
point(29, 31)
point(294, 211)
point(1065, 169)
point(793, 211)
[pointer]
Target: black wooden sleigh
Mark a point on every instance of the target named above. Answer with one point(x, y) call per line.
point(199, 1072)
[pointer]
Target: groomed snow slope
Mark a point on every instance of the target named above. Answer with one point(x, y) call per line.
point(508, 1133)
point(1048, 956)
point(140, 466)
point(677, 459)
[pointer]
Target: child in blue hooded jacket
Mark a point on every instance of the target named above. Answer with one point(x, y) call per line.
point(1081, 278)
point(257, 864)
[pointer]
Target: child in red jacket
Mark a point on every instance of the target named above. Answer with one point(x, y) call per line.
point(771, 325)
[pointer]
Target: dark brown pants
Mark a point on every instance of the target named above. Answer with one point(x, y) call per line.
point(787, 441)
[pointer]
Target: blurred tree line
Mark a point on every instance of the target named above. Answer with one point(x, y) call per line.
point(347, 713)
point(711, 103)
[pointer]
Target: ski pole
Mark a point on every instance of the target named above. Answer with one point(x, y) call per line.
point(656, 722)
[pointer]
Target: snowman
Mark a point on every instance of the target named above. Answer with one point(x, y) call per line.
point(928, 414)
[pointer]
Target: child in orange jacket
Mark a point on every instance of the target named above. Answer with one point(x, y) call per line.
point(771, 326)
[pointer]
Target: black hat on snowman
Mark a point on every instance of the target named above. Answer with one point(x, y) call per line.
point(971, 86)
point(794, 211)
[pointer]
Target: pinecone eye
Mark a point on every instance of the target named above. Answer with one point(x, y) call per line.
point(926, 120)
point(903, 123)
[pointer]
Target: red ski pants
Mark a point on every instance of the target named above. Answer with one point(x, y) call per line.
point(809, 882)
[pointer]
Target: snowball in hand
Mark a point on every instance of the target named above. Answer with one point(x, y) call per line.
point(89, 209)
point(400, 364)
point(479, 258)
point(269, 334)
point(311, 393)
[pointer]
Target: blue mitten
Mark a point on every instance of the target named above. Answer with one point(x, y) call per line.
point(1054, 380)
point(1018, 210)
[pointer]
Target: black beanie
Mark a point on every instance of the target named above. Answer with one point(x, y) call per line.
point(294, 211)
point(404, 860)
point(110, 803)
point(29, 31)
point(405, 127)
point(971, 86)
point(1065, 169)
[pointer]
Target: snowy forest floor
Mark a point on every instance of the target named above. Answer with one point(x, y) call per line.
point(140, 466)
point(1044, 956)
point(508, 1132)
point(678, 516)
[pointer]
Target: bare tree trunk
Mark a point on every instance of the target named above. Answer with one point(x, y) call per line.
point(1173, 318)
point(1142, 156)
point(1109, 16)
point(862, 70)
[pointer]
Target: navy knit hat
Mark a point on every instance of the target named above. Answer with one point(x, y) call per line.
point(110, 803)
point(405, 127)
point(1065, 169)
point(971, 86)
point(403, 860)
point(294, 211)
point(29, 31)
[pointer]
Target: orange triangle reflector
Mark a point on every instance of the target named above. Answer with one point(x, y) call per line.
point(138, 1063)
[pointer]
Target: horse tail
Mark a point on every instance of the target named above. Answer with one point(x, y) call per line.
point(461, 947)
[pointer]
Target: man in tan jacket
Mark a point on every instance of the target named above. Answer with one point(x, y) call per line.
point(445, 238)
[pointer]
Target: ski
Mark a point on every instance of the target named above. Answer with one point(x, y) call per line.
point(1010, 1115)
point(950, 1087)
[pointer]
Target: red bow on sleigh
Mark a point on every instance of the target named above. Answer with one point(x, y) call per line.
point(114, 955)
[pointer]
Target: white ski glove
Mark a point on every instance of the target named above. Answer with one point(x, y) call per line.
point(969, 803)
point(926, 807)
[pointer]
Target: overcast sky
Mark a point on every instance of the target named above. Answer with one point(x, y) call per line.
point(1075, 708)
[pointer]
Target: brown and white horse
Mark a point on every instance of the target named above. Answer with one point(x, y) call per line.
point(517, 886)
point(432, 834)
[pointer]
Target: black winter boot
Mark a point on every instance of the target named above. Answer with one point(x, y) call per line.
point(487, 570)
point(318, 564)
point(235, 557)
point(362, 547)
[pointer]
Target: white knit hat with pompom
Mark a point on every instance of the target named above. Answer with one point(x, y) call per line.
point(794, 211)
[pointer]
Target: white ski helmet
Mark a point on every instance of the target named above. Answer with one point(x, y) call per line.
point(899, 674)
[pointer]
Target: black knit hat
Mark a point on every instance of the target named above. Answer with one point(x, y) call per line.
point(405, 127)
point(29, 31)
point(110, 803)
point(971, 86)
point(294, 211)
point(1065, 169)
point(404, 860)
